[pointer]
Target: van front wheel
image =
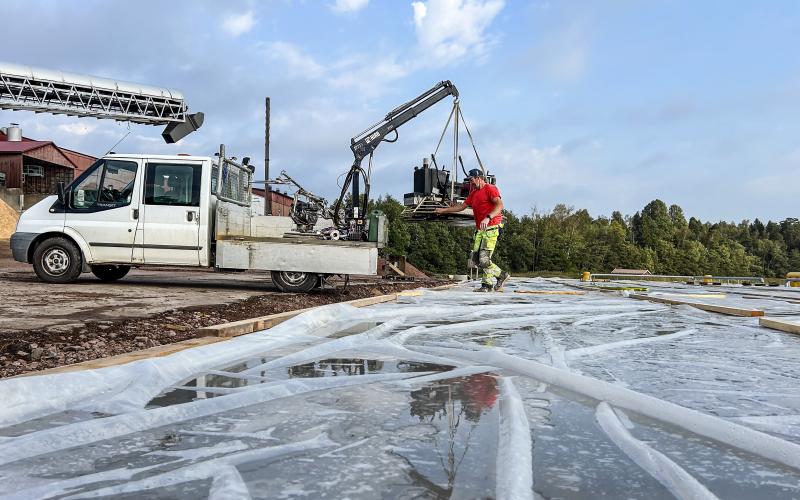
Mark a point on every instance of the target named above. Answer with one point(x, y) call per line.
point(295, 282)
point(57, 260)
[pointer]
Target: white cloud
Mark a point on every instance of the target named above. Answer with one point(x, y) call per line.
point(297, 62)
point(239, 24)
point(349, 5)
point(371, 79)
point(452, 29)
point(446, 31)
point(77, 128)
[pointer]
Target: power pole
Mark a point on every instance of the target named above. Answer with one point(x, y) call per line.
point(267, 188)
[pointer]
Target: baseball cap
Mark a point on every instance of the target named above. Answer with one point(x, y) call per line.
point(475, 173)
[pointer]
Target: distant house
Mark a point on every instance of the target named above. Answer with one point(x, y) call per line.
point(36, 167)
point(281, 203)
point(619, 270)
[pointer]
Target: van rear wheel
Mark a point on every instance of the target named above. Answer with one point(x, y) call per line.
point(109, 272)
point(57, 260)
point(296, 282)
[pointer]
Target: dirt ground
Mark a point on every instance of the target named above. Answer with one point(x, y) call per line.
point(44, 325)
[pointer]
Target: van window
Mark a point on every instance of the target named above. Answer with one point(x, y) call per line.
point(107, 184)
point(172, 184)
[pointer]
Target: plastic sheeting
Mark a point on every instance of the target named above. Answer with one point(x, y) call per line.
point(416, 398)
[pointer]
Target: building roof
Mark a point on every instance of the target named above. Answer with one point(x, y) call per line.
point(21, 146)
point(77, 153)
point(4, 137)
point(26, 145)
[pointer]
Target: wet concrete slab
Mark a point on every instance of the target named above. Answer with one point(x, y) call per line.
point(418, 399)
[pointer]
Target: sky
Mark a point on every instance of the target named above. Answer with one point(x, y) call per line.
point(602, 105)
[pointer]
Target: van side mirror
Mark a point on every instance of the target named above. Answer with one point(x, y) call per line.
point(62, 195)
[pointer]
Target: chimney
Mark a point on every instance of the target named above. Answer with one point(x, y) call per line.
point(14, 133)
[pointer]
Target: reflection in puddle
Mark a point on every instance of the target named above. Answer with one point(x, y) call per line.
point(461, 415)
point(349, 366)
point(220, 383)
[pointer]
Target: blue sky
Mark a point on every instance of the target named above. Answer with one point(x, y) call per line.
point(598, 105)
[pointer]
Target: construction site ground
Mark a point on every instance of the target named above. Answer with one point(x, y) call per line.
point(552, 389)
point(44, 325)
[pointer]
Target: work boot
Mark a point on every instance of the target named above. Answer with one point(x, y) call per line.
point(485, 287)
point(501, 280)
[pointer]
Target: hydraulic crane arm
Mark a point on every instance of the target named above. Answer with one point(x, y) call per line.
point(366, 142)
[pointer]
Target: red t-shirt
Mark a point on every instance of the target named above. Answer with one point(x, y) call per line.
point(481, 202)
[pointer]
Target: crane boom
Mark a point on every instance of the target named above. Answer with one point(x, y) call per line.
point(365, 143)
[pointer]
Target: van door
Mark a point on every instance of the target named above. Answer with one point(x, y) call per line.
point(104, 209)
point(171, 212)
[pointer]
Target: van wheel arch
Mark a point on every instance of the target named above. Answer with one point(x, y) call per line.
point(46, 236)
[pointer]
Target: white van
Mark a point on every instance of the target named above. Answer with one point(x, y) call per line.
point(132, 210)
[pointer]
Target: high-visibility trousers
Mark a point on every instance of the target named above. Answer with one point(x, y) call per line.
point(482, 249)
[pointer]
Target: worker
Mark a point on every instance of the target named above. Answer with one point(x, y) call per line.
point(487, 207)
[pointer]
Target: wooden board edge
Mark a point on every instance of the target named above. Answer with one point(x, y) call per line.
point(782, 325)
point(730, 311)
point(121, 359)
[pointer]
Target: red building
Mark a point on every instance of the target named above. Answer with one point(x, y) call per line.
point(36, 167)
point(281, 203)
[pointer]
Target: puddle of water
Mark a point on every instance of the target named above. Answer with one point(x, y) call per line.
point(322, 368)
point(55, 420)
point(440, 441)
point(450, 459)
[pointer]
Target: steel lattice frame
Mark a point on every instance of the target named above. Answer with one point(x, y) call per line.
point(23, 93)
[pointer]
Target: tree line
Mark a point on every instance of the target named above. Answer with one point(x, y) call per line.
point(565, 240)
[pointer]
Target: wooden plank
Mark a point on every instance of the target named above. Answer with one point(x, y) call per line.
point(395, 269)
point(445, 287)
point(121, 359)
point(550, 292)
point(731, 311)
point(780, 324)
point(579, 287)
point(696, 295)
point(783, 298)
point(606, 289)
point(245, 326)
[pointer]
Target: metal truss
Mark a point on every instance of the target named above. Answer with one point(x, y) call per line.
point(78, 95)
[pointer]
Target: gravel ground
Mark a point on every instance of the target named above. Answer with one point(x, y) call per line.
point(38, 349)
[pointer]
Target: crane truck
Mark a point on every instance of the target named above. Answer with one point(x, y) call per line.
point(133, 210)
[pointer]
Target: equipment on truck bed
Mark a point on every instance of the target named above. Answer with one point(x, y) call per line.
point(307, 208)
